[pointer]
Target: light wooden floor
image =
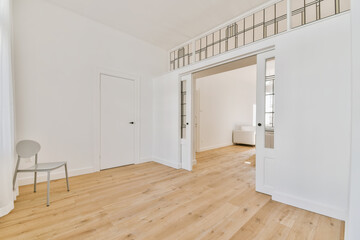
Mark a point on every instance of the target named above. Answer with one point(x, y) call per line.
point(151, 201)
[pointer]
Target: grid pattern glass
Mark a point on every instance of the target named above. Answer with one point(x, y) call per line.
point(262, 24)
point(307, 11)
point(269, 102)
point(181, 57)
point(183, 109)
point(267, 22)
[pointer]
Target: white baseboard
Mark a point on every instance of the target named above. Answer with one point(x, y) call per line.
point(215, 146)
point(57, 174)
point(5, 210)
point(144, 160)
point(167, 163)
point(309, 205)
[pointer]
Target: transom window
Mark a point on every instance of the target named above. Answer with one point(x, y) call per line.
point(267, 22)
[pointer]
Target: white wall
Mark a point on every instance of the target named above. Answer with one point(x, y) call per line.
point(166, 125)
point(58, 56)
point(353, 224)
point(313, 114)
point(313, 108)
point(225, 99)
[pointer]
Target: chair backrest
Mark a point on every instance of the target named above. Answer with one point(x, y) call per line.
point(27, 148)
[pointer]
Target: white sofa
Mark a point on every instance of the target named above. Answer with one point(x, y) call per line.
point(244, 134)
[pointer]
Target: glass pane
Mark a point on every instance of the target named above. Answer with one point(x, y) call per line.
point(270, 30)
point(203, 54)
point(216, 36)
point(281, 9)
point(296, 21)
point(296, 4)
point(310, 13)
point(240, 25)
point(269, 102)
point(183, 101)
point(297, 12)
point(249, 22)
point(181, 62)
point(269, 13)
point(176, 63)
point(270, 67)
point(269, 87)
point(210, 51)
point(197, 49)
point(327, 8)
point(209, 39)
point(190, 48)
point(282, 26)
point(231, 43)
point(344, 5)
point(203, 42)
point(241, 39)
point(259, 25)
point(249, 35)
point(259, 33)
point(269, 106)
point(269, 139)
point(223, 34)
point(269, 121)
point(223, 46)
point(259, 17)
point(216, 48)
point(183, 133)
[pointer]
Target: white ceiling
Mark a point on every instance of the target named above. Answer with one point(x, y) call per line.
point(164, 23)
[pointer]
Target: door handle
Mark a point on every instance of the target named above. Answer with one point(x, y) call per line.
point(131, 122)
point(259, 124)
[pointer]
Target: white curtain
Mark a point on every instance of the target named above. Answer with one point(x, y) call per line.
point(6, 110)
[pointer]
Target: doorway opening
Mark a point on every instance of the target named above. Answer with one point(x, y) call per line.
point(225, 105)
point(231, 106)
point(225, 111)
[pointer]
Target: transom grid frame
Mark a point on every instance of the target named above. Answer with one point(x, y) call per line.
point(267, 22)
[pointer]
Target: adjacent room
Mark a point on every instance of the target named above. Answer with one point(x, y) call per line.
point(225, 104)
point(193, 119)
point(225, 111)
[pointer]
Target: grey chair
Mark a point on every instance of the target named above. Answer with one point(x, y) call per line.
point(28, 149)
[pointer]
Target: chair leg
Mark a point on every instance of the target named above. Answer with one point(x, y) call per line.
point(67, 178)
point(16, 171)
point(14, 180)
point(35, 175)
point(48, 189)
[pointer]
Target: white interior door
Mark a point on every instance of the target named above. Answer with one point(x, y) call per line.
point(117, 121)
point(265, 114)
point(187, 153)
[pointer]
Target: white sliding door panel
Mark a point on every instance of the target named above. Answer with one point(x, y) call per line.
point(265, 114)
point(186, 115)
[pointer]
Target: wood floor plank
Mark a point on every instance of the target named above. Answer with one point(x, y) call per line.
point(217, 200)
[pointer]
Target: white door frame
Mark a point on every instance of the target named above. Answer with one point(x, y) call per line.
point(181, 75)
point(97, 113)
